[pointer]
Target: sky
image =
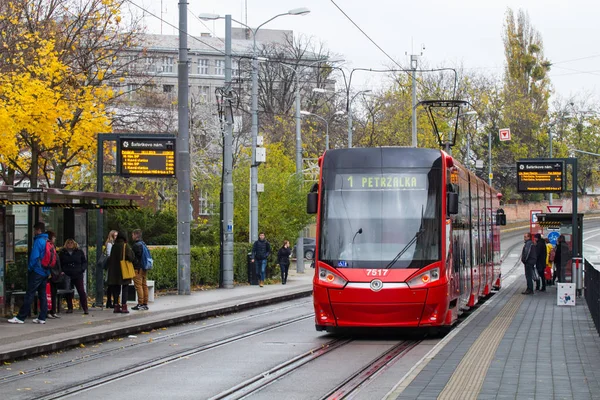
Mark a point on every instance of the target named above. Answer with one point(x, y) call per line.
point(460, 32)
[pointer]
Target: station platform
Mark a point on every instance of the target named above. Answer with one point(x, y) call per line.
point(515, 346)
point(28, 339)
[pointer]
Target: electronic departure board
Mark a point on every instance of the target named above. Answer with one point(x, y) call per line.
point(540, 176)
point(150, 157)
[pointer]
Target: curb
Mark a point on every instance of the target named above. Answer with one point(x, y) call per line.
point(145, 326)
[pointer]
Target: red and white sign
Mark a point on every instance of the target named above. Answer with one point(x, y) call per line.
point(554, 209)
point(504, 134)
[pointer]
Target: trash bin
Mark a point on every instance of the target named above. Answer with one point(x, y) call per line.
point(252, 277)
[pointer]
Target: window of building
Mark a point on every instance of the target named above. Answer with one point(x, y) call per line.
point(168, 88)
point(203, 66)
point(219, 67)
point(235, 68)
point(167, 64)
point(150, 64)
point(203, 204)
point(204, 93)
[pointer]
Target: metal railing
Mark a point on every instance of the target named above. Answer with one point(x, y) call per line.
point(592, 292)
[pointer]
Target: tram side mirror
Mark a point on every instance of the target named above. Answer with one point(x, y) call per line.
point(500, 217)
point(452, 203)
point(312, 200)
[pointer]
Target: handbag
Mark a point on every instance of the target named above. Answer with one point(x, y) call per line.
point(127, 271)
point(103, 262)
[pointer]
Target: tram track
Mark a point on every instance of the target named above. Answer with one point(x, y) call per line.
point(24, 374)
point(162, 361)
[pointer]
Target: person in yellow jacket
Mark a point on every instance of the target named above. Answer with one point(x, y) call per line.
point(549, 249)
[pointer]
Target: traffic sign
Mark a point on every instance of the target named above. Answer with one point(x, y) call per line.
point(554, 209)
point(504, 134)
point(553, 237)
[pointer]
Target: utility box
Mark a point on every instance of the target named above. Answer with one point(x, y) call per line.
point(252, 277)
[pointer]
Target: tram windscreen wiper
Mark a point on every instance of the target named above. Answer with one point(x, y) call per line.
point(358, 232)
point(410, 243)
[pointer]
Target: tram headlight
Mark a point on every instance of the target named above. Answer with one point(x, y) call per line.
point(426, 277)
point(331, 278)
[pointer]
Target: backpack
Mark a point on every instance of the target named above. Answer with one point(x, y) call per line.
point(49, 257)
point(147, 262)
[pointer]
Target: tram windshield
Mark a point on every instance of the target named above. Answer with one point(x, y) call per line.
point(381, 218)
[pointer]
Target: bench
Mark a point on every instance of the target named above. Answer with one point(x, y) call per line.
point(132, 293)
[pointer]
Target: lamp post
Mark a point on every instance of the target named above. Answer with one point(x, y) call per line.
point(349, 110)
point(307, 113)
point(254, 110)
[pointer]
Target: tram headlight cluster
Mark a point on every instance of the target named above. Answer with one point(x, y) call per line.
point(331, 278)
point(426, 277)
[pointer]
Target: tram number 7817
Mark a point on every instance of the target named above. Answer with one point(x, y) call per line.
point(377, 272)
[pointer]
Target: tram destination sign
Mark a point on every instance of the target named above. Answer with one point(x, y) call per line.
point(544, 176)
point(150, 157)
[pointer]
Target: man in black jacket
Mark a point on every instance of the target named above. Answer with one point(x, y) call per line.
point(540, 247)
point(261, 249)
point(528, 258)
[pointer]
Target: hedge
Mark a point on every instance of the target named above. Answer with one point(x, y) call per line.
point(204, 267)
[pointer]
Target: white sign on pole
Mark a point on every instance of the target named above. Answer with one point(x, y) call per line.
point(504, 134)
point(565, 294)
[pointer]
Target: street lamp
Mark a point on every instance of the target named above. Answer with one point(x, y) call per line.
point(307, 113)
point(253, 167)
point(349, 111)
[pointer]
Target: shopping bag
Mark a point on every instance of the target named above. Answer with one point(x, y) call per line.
point(49, 295)
point(548, 273)
point(127, 271)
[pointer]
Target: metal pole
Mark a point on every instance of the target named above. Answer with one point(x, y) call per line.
point(228, 167)
point(326, 135)
point(490, 157)
point(183, 159)
point(349, 125)
point(414, 61)
point(253, 167)
point(468, 151)
point(300, 244)
point(550, 139)
point(99, 223)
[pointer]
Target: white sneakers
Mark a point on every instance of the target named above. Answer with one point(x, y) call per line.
point(16, 320)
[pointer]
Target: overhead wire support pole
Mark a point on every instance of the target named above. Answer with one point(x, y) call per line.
point(228, 167)
point(183, 159)
point(414, 60)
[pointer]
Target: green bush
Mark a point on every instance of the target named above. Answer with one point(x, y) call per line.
point(204, 267)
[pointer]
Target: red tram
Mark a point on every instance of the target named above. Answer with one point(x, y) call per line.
point(406, 237)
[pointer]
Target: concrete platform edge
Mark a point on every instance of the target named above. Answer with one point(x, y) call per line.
point(136, 326)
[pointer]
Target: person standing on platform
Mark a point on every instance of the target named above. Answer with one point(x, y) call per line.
point(561, 257)
point(37, 277)
point(141, 272)
point(261, 249)
point(528, 258)
point(57, 277)
point(283, 259)
point(550, 253)
point(120, 250)
point(540, 247)
point(74, 264)
point(111, 300)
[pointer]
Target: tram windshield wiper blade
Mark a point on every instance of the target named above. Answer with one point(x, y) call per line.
point(413, 240)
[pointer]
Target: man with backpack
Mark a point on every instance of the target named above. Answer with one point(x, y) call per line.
point(37, 277)
point(143, 262)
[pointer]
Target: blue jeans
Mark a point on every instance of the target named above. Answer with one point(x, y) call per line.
point(35, 283)
point(261, 269)
point(529, 276)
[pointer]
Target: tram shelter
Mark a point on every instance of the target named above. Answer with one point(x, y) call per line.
point(63, 211)
point(556, 224)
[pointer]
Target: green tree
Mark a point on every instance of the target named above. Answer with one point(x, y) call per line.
point(525, 94)
point(282, 205)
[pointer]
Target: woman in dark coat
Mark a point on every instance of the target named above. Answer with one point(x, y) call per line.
point(74, 264)
point(283, 259)
point(116, 283)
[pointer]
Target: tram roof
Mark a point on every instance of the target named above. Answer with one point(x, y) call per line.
point(53, 197)
point(382, 157)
